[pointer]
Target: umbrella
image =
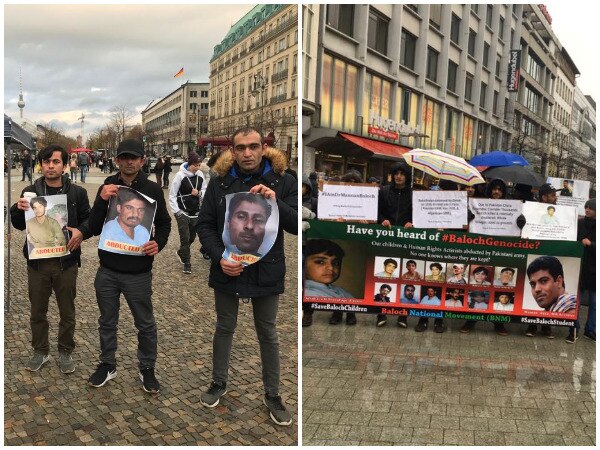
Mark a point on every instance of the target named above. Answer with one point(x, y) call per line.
point(444, 166)
point(516, 175)
point(498, 159)
point(81, 149)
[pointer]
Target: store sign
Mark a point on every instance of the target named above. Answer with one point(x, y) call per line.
point(514, 65)
point(545, 12)
point(388, 128)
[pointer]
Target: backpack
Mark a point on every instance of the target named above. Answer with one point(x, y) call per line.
point(84, 158)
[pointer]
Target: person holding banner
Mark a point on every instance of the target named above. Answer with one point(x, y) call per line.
point(54, 274)
point(251, 166)
point(586, 234)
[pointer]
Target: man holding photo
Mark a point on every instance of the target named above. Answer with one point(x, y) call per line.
point(54, 274)
point(130, 275)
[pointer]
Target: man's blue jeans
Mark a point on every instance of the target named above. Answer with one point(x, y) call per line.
point(83, 170)
point(590, 324)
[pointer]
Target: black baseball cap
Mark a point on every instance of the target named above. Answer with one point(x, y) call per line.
point(546, 189)
point(130, 147)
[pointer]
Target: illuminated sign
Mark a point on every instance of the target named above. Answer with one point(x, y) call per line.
point(514, 66)
point(388, 128)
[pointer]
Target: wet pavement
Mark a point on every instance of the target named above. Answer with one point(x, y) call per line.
point(49, 408)
point(363, 385)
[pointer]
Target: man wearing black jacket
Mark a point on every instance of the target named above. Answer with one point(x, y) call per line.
point(130, 275)
point(249, 167)
point(58, 274)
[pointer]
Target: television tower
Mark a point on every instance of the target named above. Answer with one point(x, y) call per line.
point(21, 102)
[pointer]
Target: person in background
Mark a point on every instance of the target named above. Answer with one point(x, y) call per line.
point(158, 170)
point(166, 172)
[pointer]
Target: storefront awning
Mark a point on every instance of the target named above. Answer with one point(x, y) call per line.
point(379, 148)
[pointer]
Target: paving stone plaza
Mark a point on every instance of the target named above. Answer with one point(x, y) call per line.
point(363, 385)
point(49, 408)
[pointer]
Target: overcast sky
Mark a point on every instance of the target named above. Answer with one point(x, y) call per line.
point(89, 58)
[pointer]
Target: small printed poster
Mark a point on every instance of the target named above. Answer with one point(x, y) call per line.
point(46, 226)
point(495, 217)
point(440, 209)
point(128, 222)
point(349, 201)
point(571, 192)
point(251, 227)
point(549, 222)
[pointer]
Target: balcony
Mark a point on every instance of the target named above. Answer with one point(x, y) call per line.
point(278, 99)
point(292, 21)
point(279, 76)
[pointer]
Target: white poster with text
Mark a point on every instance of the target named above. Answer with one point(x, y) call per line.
point(495, 217)
point(440, 209)
point(349, 201)
point(571, 192)
point(549, 222)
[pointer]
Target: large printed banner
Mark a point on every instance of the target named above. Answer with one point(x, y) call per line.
point(441, 274)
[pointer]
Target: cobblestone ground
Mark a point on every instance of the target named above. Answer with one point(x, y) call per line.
point(49, 408)
point(363, 385)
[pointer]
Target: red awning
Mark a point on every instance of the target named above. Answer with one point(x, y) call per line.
point(377, 147)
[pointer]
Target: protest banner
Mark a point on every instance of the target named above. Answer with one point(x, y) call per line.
point(549, 222)
point(486, 277)
point(128, 222)
point(440, 209)
point(495, 217)
point(571, 192)
point(350, 201)
point(45, 224)
point(251, 227)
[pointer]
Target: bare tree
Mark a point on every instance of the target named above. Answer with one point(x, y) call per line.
point(119, 116)
point(55, 135)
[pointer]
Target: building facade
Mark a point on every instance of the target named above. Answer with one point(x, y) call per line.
point(465, 79)
point(253, 77)
point(582, 160)
point(172, 125)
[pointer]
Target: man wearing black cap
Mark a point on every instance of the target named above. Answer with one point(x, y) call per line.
point(130, 275)
point(547, 194)
point(185, 194)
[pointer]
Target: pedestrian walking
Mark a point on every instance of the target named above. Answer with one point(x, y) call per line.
point(130, 275)
point(73, 167)
point(167, 171)
point(185, 196)
point(84, 164)
point(158, 170)
point(249, 167)
point(26, 164)
point(54, 274)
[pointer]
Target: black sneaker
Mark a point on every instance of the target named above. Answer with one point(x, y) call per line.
point(381, 320)
point(211, 397)
point(277, 410)
point(438, 326)
point(403, 321)
point(335, 318)
point(307, 318)
point(547, 331)
point(104, 372)
point(204, 253)
point(421, 325)
point(350, 319)
point(187, 268)
point(572, 336)
point(591, 335)
point(179, 256)
point(149, 381)
point(531, 331)
point(468, 326)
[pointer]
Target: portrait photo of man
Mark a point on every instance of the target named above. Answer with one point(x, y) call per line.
point(251, 225)
point(567, 189)
point(504, 301)
point(386, 293)
point(436, 273)
point(456, 273)
point(43, 231)
point(412, 270)
point(478, 300)
point(547, 282)
point(410, 294)
point(454, 298)
point(480, 276)
point(390, 268)
point(127, 225)
point(549, 218)
point(505, 277)
point(432, 297)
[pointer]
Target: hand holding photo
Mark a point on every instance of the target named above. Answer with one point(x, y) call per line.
point(46, 222)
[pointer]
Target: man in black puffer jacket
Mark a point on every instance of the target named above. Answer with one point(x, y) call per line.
point(130, 275)
point(58, 274)
point(249, 167)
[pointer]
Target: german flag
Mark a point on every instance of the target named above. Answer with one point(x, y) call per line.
point(178, 74)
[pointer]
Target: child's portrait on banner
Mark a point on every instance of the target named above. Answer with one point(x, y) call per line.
point(46, 222)
point(251, 226)
point(128, 222)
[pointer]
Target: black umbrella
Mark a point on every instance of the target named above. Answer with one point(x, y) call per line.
point(515, 175)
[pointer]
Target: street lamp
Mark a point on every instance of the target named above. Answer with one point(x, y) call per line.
point(259, 91)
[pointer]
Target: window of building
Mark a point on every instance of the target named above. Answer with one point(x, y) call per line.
point(233, 90)
point(204, 106)
point(468, 86)
point(534, 68)
point(376, 97)
point(466, 148)
point(512, 37)
point(413, 7)
point(452, 71)
point(431, 122)
point(407, 49)
point(435, 15)
point(501, 28)
point(532, 100)
point(432, 61)
point(497, 71)
point(338, 94)
point(472, 39)
point(341, 17)
point(486, 54)
point(193, 93)
point(482, 95)
point(475, 8)
point(193, 106)
point(495, 105)
point(378, 31)
point(455, 28)
point(488, 16)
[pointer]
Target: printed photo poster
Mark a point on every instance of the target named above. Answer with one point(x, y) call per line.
point(128, 222)
point(45, 225)
point(467, 276)
point(350, 201)
point(440, 209)
point(571, 192)
point(549, 222)
point(251, 227)
point(495, 217)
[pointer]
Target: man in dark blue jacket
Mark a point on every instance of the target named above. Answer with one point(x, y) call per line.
point(130, 275)
point(250, 167)
point(58, 274)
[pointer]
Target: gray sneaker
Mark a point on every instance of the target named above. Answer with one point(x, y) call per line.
point(37, 361)
point(211, 397)
point(277, 410)
point(65, 362)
